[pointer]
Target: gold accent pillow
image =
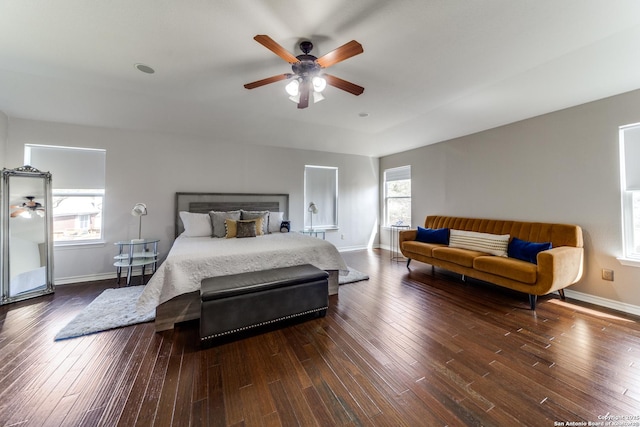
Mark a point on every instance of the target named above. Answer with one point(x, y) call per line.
point(231, 227)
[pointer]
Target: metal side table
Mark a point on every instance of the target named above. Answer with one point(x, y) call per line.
point(136, 253)
point(394, 230)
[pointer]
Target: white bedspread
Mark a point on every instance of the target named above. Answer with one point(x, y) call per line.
point(192, 259)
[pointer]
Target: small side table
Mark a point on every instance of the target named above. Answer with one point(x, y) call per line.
point(314, 232)
point(394, 231)
point(136, 253)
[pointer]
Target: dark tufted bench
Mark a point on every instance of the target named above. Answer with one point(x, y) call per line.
point(240, 302)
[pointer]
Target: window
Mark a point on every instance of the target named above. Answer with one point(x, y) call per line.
point(630, 184)
point(321, 189)
point(397, 196)
point(78, 176)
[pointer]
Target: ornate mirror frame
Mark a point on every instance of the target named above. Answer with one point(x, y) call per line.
point(26, 234)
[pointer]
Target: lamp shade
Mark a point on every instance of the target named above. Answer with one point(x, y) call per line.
point(319, 84)
point(313, 208)
point(293, 87)
point(139, 209)
point(295, 99)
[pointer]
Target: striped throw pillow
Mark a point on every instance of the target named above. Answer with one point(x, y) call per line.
point(493, 244)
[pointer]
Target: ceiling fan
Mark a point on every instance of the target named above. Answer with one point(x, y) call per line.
point(308, 75)
point(27, 208)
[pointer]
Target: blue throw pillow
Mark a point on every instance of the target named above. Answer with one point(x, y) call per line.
point(526, 251)
point(430, 235)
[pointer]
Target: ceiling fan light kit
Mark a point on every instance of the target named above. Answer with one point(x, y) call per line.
point(293, 87)
point(317, 97)
point(309, 79)
point(319, 84)
point(28, 209)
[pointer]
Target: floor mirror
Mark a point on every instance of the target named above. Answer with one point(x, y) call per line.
point(26, 248)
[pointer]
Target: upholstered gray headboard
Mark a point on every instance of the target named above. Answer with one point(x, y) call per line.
point(205, 202)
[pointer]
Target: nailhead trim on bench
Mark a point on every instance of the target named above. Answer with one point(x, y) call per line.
point(244, 328)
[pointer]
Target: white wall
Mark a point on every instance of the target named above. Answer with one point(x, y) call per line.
point(151, 167)
point(560, 167)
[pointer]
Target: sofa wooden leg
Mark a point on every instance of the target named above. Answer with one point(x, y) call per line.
point(532, 301)
point(561, 292)
point(408, 261)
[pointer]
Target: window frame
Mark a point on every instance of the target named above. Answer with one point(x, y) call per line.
point(630, 247)
point(78, 194)
point(73, 192)
point(310, 195)
point(407, 170)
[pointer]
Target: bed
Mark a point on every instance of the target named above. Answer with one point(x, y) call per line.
point(174, 289)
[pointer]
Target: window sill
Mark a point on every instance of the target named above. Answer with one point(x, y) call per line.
point(629, 262)
point(76, 245)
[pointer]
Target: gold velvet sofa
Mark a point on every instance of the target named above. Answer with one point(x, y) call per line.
point(556, 268)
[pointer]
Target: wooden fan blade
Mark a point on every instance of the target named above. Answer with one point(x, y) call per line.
point(305, 90)
point(345, 51)
point(16, 213)
point(343, 84)
point(274, 47)
point(266, 81)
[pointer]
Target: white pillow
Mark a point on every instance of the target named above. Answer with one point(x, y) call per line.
point(493, 244)
point(196, 224)
point(275, 219)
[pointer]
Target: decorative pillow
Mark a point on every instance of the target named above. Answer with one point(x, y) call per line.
point(526, 251)
point(260, 230)
point(493, 244)
point(196, 224)
point(260, 227)
point(431, 235)
point(275, 220)
point(217, 220)
point(246, 228)
point(231, 227)
point(234, 226)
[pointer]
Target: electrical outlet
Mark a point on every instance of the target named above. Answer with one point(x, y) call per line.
point(342, 237)
point(607, 274)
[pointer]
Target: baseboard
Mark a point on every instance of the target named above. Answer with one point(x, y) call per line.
point(580, 296)
point(604, 302)
point(92, 278)
point(353, 248)
point(112, 275)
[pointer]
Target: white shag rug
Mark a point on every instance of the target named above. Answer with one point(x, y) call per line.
point(353, 276)
point(112, 309)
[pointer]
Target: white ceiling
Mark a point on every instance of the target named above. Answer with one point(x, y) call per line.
point(432, 69)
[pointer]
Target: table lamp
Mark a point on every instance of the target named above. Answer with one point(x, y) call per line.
point(313, 209)
point(139, 210)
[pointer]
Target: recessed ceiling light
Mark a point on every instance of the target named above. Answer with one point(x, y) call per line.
point(144, 68)
point(363, 114)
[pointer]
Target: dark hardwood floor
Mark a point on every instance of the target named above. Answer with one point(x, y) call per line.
point(404, 348)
